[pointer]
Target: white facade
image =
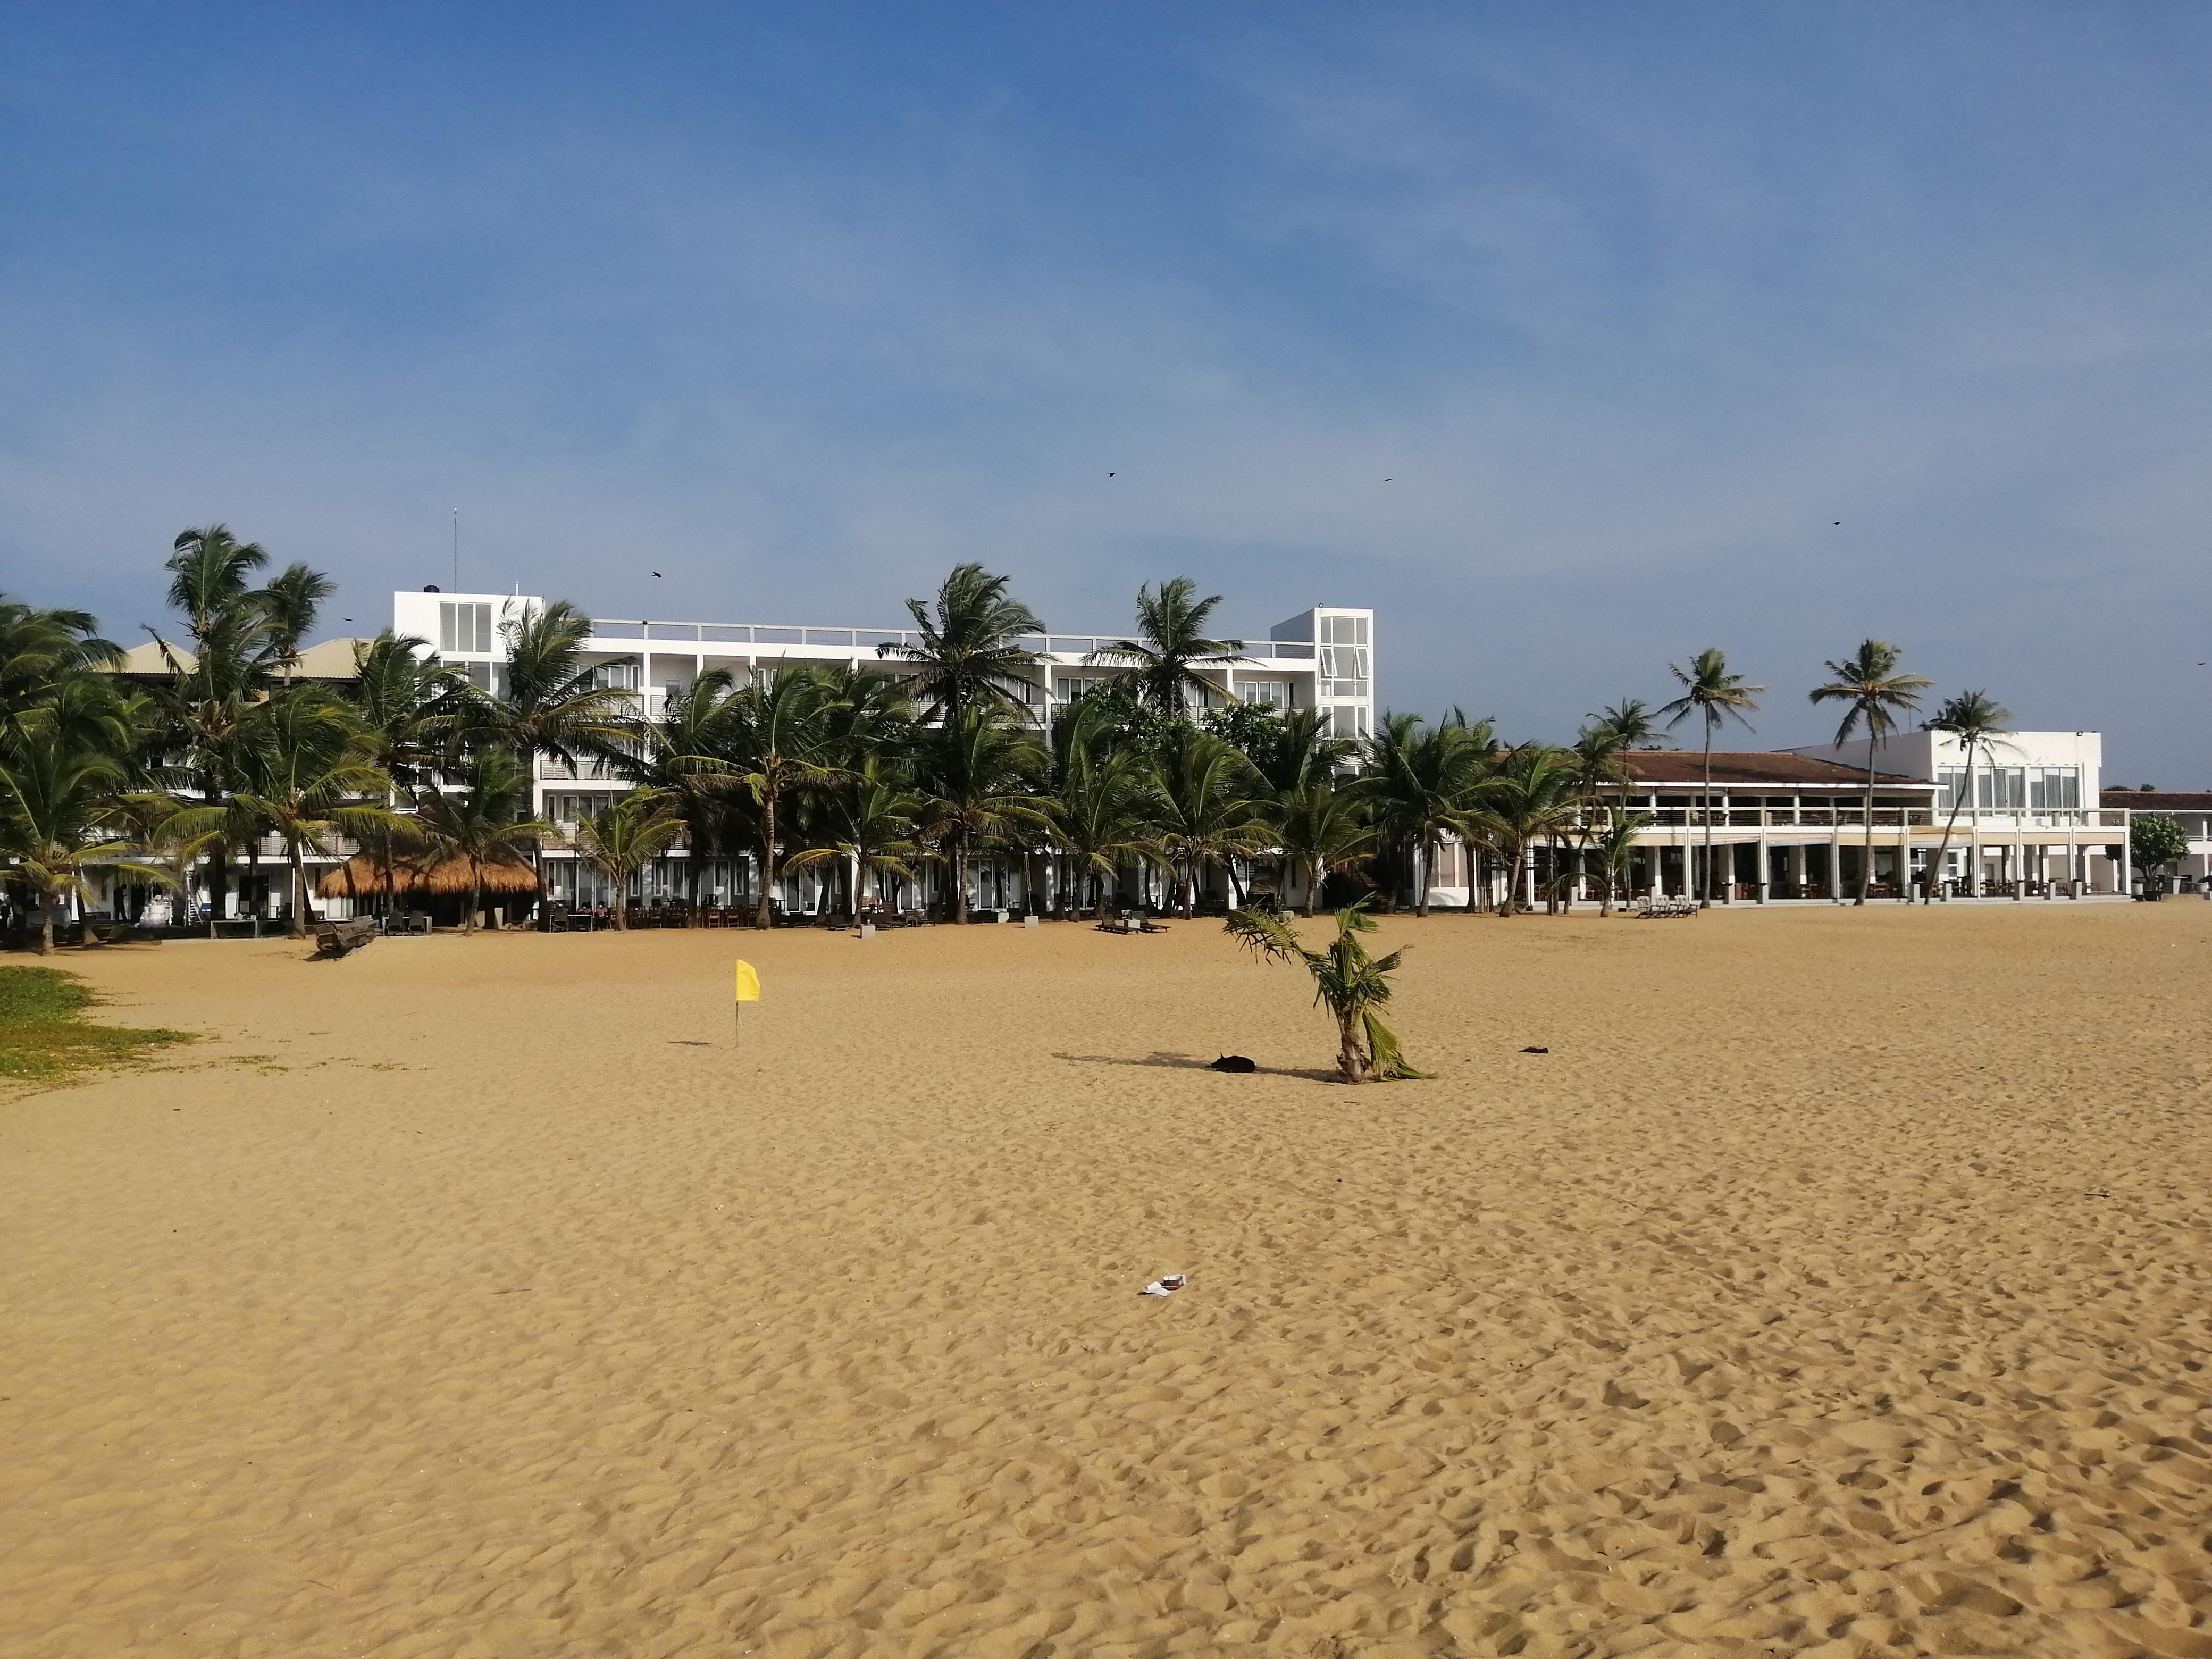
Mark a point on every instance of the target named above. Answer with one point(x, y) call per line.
point(2027, 775)
point(1322, 657)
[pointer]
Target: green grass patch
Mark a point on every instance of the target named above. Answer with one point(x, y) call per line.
point(43, 1035)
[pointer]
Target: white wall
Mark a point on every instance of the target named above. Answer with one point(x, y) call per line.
point(1923, 753)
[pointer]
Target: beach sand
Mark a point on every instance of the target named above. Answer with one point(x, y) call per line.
point(1836, 1284)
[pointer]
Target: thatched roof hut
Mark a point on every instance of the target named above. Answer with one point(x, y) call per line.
point(361, 877)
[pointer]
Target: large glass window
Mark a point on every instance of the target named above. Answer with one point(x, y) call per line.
point(1264, 694)
point(463, 626)
point(2054, 788)
point(2002, 789)
point(1344, 662)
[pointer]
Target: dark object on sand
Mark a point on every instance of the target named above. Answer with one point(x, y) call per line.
point(1232, 1063)
point(1535, 1051)
point(338, 938)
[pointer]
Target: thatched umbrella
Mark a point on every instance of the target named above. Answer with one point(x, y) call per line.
point(360, 877)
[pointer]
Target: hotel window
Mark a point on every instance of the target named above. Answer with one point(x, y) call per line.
point(1344, 662)
point(464, 626)
point(1264, 694)
point(1068, 688)
point(2001, 789)
point(617, 675)
point(484, 675)
point(2054, 788)
point(1348, 722)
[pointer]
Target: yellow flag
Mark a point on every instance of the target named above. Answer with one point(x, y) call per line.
point(748, 983)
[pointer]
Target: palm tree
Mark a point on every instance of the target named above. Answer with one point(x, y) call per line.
point(775, 752)
point(1205, 812)
point(59, 796)
point(481, 821)
point(1103, 816)
point(623, 837)
point(552, 701)
point(240, 637)
point(1351, 984)
point(1631, 721)
point(173, 834)
point(1531, 796)
point(1303, 754)
point(975, 775)
point(1871, 689)
point(968, 651)
point(1713, 694)
point(1614, 848)
point(869, 817)
point(290, 600)
point(1171, 648)
point(308, 775)
point(1599, 765)
point(38, 650)
point(684, 757)
point(1423, 782)
point(1322, 830)
point(1974, 721)
point(404, 703)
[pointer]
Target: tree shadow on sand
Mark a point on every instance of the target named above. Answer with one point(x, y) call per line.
point(1160, 1059)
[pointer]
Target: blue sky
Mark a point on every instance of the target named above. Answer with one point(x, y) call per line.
point(798, 305)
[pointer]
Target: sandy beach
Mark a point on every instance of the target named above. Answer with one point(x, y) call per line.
point(1836, 1284)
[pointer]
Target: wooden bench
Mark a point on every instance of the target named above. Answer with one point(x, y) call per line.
point(338, 938)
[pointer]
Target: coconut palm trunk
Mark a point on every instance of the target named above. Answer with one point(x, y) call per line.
point(1943, 847)
point(1705, 877)
point(764, 904)
point(1350, 1053)
point(1866, 858)
point(297, 928)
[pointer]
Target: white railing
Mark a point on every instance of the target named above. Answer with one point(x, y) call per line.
point(611, 634)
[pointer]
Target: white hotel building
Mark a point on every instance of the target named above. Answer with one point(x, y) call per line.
point(1322, 657)
point(1785, 825)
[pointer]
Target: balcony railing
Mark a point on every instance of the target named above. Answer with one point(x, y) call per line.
point(608, 633)
point(1895, 817)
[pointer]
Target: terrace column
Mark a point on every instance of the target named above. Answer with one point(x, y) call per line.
point(2127, 857)
point(1836, 862)
point(1904, 854)
point(2019, 866)
point(1974, 854)
point(1766, 856)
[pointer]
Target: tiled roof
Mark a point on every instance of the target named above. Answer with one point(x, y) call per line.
point(1762, 766)
point(2158, 800)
